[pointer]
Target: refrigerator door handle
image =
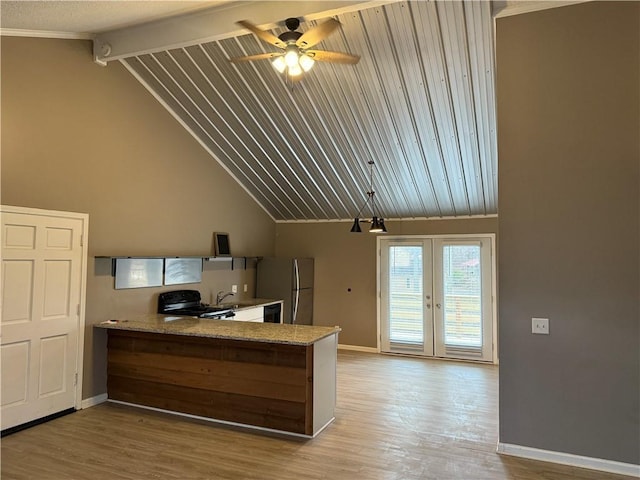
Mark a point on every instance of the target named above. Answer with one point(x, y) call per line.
point(295, 307)
point(296, 273)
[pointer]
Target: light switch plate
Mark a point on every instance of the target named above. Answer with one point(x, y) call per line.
point(540, 326)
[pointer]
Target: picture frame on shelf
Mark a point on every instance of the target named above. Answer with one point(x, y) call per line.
point(221, 245)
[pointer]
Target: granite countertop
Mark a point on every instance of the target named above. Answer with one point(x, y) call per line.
point(228, 329)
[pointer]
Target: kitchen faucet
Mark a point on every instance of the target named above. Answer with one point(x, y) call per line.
point(221, 296)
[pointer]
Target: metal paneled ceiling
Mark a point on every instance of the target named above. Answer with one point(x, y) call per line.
point(420, 104)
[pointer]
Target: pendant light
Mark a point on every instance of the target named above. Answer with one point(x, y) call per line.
point(377, 222)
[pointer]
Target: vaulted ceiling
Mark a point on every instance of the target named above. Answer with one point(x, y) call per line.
point(420, 104)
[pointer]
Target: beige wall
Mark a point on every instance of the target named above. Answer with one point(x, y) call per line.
point(79, 137)
point(569, 137)
point(345, 260)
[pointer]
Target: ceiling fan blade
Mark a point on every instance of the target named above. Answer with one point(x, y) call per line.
point(259, 56)
point(318, 33)
point(262, 34)
point(333, 57)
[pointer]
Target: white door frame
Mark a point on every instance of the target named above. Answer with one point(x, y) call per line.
point(84, 218)
point(494, 311)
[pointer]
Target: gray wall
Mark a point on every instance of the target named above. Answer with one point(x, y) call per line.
point(345, 260)
point(84, 138)
point(569, 226)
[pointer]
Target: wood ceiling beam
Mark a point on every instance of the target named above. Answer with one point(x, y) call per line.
point(212, 24)
point(507, 8)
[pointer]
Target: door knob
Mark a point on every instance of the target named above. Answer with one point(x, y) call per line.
point(438, 305)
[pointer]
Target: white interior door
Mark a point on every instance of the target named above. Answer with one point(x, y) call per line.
point(436, 297)
point(42, 314)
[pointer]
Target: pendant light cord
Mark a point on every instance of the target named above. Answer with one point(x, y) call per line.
point(370, 194)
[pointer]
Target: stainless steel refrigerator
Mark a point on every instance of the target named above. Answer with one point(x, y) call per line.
point(290, 280)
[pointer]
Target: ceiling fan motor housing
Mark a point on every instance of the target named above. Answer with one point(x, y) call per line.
point(292, 23)
point(290, 37)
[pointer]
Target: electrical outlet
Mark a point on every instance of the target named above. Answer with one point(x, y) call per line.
point(234, 288)
point(540, 326)
point(245, 287)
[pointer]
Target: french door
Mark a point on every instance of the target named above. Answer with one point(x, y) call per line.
point(436, 296)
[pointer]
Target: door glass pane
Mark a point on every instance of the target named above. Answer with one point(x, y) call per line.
point(405, 295)
point(462, 295)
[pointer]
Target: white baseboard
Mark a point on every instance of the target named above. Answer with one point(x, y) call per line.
point(93, 401)
point(357, 348)
point(569, 459)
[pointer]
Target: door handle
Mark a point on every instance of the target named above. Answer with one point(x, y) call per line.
point(438, 305)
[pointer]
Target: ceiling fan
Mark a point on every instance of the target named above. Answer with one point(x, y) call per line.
point(296, 56)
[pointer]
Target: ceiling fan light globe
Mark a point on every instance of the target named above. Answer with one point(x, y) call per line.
point(291, 57)
point(306, 62)
point(295, 70)
point(279, 64)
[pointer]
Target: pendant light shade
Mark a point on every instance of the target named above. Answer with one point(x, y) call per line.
point(375, 226)
point(377, 223)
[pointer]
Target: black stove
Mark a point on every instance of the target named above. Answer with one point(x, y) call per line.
point(189, 304)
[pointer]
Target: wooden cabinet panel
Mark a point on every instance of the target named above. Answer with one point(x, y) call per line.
point(267, 385)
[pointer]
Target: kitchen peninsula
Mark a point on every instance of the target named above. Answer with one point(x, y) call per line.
point(271, 376)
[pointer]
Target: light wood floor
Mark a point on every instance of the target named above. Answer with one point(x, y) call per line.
point(396, 418)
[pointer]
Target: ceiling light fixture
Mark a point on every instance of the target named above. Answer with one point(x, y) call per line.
point(297, 54)
point(293, 62)
point(377, 222)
